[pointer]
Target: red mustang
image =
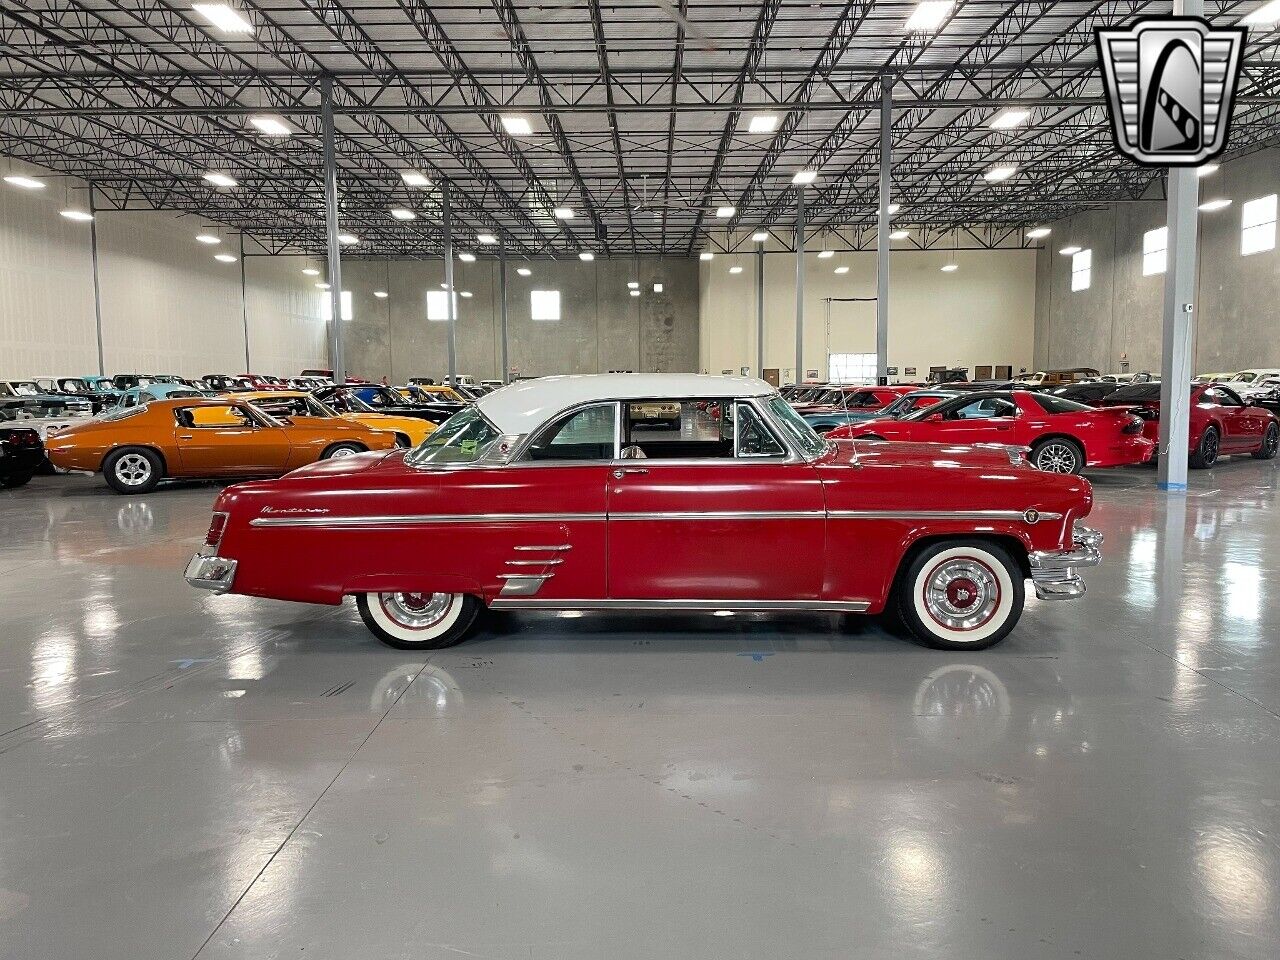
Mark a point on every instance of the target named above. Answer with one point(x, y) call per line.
point(545, 495)
point(1221, 422)
point(1064, 436)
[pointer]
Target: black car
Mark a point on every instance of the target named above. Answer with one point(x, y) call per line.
point(21, 454)
point(1090, 394)
point(368, 398)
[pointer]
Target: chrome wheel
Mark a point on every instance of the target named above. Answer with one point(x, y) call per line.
point(1056, 458)
point(1209, 448)
point(961, 593)
point(341, 452)
point(416, 611)
point(133, 469)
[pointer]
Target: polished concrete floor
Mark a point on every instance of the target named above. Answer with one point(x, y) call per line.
point(190, 776)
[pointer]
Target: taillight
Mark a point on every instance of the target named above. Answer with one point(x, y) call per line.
point(217, 526)
point(1132, 425)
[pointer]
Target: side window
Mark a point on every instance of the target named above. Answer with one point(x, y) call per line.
point(1222, 397)
point(754, 438)
point(984, 409)
point(587, 434)
point(213, 417)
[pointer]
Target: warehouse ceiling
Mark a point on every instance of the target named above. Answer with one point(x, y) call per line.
point(640, 115)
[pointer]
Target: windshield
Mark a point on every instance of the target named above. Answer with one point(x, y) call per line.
point(463, 438)
point(25, 388)
point(801, 434)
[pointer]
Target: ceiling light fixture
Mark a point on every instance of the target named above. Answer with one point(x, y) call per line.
point(270, 126)
point(486, 238)
point(516, 125)
point(657, 288)
point(524, 271)
point(894, 208)
point(403, 213)
point(735, 269)
point(633, 284)
point(725, 212)
point(760, 236)
point(706, 255)
point(220, 179)
point(826, 254)
point(563, 213)
point(842, 270)
point(412, 178)
point(380, 294)
point(77, 215)
point(1207, 169)
point(1266, 14)
point(208, 238)
point(466, 294)
point(1070, 251)
point(322, 286)
point(1209, 206)
point(929, 15)
point(763, 123)
point(467, 257)
point(899, 234)
point(804, 177)
point(999, 172)
point(950, 268)
point(1010, 118)
point(634, 293)
point(586, 255)
point(223, 16)
point(225, 257)
point(26, 183)
point(1039, 233)
point(348, 239)
point(310, 272)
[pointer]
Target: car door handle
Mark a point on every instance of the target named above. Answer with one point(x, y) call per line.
point(185, 436)
point(623, 471)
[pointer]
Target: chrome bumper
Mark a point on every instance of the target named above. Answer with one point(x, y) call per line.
point(211, 573)
point(1053, 572)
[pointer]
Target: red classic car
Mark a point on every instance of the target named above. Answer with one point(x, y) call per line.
point(546, 495)
point(1064, 436)
point(1221, 422)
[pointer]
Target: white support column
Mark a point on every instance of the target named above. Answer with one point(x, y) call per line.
point(882, 230)
point(799, 378)
point(1177, 356)
point(502, 308)
point(97, 288)
point(450, 296)
point(331, 229)
point(760, 311)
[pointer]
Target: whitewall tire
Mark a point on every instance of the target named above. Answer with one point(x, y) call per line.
point(418, 621)
point(961, 595)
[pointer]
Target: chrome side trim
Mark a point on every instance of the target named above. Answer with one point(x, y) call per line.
point(522, 584)
point(688, 606)
point(534, 563)
point(422, 519)
point(723, 515)
point(558, 547)
point(525, 576)
point(1012, 515)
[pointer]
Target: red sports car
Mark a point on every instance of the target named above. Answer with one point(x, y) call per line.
point(1221, 422)
point(543, 495)
point(837, 406)
point(1064, 436)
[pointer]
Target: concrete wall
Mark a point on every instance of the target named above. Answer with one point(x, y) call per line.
point(980, 314)
point(1238, 304)
point(601, 328)
point(167, 305)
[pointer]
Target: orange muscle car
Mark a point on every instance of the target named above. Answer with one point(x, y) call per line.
point(409, 431)
point(136, 448)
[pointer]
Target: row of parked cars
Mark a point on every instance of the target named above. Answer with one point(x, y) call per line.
point(139, 429)
point(1066, 428)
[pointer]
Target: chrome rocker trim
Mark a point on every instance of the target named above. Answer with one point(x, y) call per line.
point(210, 572)
point(1053, 572)
point(682, 606)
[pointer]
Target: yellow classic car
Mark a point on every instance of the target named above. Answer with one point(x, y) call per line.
point(409, 431)
point(429, 392)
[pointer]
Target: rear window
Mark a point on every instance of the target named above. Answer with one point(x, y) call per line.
point(1052, 404)
point(1135, 393)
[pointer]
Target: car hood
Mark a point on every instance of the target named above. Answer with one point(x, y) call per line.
point(357, 463)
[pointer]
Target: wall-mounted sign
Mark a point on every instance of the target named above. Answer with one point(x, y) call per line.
point(892, 371)
point(745, 371)
point(811, 374)
point(726, 372)
point(910, 371)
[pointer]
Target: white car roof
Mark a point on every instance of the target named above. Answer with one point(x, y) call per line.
point(527, 404)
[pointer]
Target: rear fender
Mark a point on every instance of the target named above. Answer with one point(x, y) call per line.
point(418, 583)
